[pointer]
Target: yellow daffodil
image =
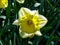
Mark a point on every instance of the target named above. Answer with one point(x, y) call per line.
point(30, 22)
point(20, 1)
point(3, 3)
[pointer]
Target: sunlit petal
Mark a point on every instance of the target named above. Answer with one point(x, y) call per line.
point(16, 22)
point(20, 1)
point(24, 35)
point(38, 33)
point(3, 3)
point(43, 21)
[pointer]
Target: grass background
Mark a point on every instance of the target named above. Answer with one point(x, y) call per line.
point(9, 34)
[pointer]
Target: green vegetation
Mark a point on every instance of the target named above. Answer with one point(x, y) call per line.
point(9, 33)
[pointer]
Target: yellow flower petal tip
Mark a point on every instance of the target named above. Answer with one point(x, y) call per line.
point(16, 22)
point(30, 22)
point(20, 1)
point(25, 35)
point(3, 3)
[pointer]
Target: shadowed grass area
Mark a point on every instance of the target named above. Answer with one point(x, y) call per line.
point(9, 34)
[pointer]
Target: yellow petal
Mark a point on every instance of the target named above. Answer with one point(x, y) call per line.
point(43, 21)
point(16, 22)
point(21, 13)
point(38, 33)
point(34, 12)
point(26, 11)
point(3, 3)
point(24, 35)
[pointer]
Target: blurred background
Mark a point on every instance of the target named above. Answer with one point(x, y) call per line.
point(9, 34)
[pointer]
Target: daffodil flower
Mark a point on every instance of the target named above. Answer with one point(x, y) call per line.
point(30, 22)
point(3, 3)
point(20, 1)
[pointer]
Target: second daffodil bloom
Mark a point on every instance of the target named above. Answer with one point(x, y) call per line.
point(20, 1)
point(30, 22)
point(3, 3)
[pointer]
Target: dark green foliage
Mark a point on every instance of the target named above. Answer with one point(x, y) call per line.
point(9, 34)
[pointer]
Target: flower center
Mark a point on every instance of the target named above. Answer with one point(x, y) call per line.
point(29, 22)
